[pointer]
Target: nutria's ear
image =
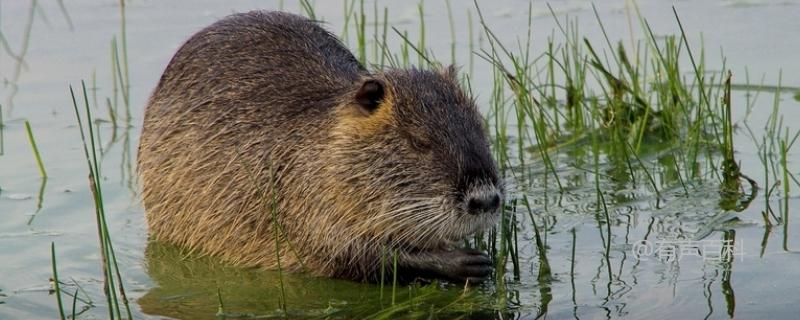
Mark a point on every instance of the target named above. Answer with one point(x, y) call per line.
point(371, 94)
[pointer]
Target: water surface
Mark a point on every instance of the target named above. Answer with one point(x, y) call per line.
point(50, 50)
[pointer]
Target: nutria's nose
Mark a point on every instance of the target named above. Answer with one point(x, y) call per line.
point(483, 202)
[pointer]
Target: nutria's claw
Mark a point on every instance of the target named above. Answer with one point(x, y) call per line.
point(458, 266)
point(467, 265)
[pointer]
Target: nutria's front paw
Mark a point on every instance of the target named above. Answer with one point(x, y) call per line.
point(459, 265)
point(467, 265)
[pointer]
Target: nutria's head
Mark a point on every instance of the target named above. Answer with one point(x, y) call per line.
point(412, 158)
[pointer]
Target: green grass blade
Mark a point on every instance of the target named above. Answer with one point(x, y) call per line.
point(55, 281)
point(36, 153)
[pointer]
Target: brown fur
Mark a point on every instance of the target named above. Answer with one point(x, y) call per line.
point(255, 118)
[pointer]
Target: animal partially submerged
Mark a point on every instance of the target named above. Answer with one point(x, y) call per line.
point(265, 132)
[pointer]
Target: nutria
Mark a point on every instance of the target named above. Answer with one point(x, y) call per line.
point(266, 142)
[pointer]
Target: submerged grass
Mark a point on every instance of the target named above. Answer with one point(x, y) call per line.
point(643, 100)
point(632, 106)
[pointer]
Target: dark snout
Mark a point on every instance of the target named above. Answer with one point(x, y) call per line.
point(484, 200)
point(479, 184)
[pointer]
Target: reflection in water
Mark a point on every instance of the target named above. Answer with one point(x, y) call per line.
point(727, 271)
point(19, 58)
point(42, 171)
point(2, 127)
point(191, 287)
point(39, 200)
point(65, 14)
point(121, 136)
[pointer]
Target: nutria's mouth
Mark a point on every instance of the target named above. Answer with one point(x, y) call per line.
point(465, 225)
point(425, 223)
point(479, 223)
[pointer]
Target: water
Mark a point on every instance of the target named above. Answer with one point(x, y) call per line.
point(588, 280)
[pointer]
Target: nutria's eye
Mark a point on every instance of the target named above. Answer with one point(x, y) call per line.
point(370, 95)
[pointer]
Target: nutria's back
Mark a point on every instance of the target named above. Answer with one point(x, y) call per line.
point(265, 132)
point(260, 58)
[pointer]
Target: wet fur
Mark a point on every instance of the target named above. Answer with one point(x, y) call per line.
point(255, 118)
